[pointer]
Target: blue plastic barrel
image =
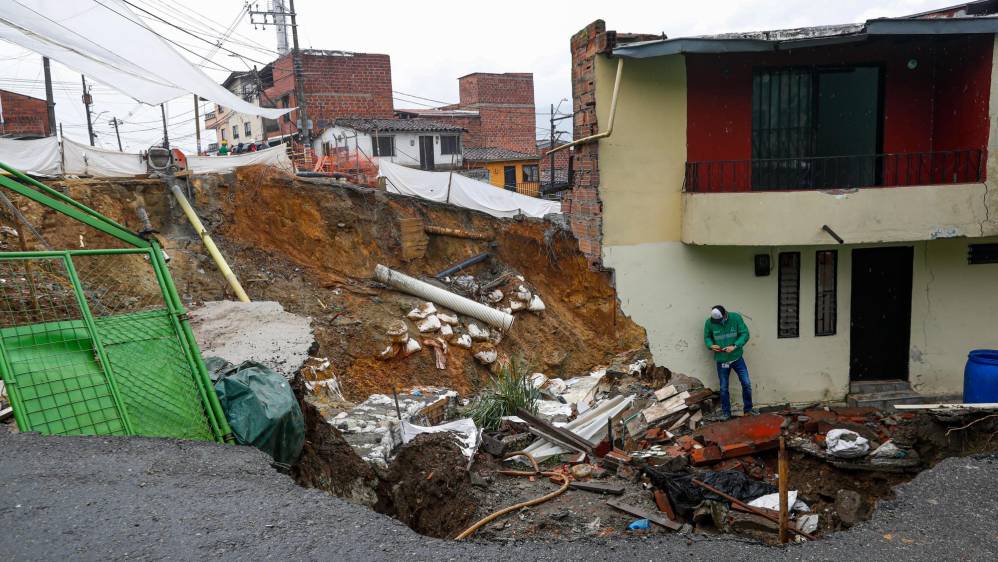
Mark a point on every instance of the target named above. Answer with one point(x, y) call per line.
point(980, 377)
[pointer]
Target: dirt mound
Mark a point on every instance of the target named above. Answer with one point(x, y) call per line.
point(428, 488)
point(313, 248)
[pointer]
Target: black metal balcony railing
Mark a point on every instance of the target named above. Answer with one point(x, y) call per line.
point(831, 172)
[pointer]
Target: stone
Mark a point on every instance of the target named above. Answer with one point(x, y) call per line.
point(849, 507)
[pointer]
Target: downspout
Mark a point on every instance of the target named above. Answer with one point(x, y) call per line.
point(609, 124)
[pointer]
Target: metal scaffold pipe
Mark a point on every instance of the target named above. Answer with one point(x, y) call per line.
point(209, 244)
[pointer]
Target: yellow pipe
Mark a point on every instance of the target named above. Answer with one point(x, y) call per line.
point(609, 124)
point(209, 244)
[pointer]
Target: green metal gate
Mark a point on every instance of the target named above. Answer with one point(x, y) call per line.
point(95, 341)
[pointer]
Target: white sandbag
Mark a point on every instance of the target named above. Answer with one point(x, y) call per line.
point(846, 444)
point(429, 324)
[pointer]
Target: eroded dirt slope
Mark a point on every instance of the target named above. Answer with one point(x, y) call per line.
point(314, 247)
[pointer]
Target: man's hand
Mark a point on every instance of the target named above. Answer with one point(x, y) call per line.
point(729, 349)
point(715, 347)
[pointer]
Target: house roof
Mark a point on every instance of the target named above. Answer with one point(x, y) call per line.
point(416, 124)
point(431, 113)
point(962, 22)
point(495, 154)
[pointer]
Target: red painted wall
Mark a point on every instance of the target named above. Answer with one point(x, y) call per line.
point(940, 105)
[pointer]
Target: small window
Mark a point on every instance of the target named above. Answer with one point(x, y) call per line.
point(788, 300)
point(248, 129)
point(531, 173)
point(978, 254)
point(235, 131)
point(449, 144)
point(825, 298)
point(383, 145)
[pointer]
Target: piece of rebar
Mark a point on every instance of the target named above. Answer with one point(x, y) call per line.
point(398, 410)
point(749, 508)
point(784, 472)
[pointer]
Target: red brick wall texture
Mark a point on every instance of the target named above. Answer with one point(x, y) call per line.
point(24, 115)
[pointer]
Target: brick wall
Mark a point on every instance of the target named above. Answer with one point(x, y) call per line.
point(505, 104)
point(336, 85)
point(24, 115)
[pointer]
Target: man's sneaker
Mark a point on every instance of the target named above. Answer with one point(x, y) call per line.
point(752, 412)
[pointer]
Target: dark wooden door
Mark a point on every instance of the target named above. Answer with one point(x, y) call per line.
point(880, 327)
point(509, 177)
point(426, 152)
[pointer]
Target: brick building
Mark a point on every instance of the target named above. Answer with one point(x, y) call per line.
point(337, 84)
point(23, 116)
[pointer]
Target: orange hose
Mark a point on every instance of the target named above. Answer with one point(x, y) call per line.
point(565, 481)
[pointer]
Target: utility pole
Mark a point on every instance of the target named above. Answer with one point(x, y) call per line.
point(115, 122)
point(197, 124)
point(166, 135)
point(49, 97)
point(87, 100)
point(276, 17)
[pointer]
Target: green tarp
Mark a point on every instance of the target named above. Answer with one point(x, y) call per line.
point(260, 407)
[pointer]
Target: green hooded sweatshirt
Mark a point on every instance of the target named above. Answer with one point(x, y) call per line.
point(730, 331)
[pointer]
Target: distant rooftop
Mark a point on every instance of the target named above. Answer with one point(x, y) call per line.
point(431, 113)
point(415, 124)
point(495, 154)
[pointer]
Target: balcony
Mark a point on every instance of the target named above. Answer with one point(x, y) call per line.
point(835, 172)
point(880, 198)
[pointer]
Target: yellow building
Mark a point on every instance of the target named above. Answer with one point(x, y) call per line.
point(508, 169)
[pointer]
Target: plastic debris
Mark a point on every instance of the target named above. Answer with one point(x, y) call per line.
point(846, 444)
point(536, 304)
point(464, 340)
point(808, 523)
point(430, 324)
point(522, 294)
point(494, 297)
point(639, 525)
point(398, 332)
point(422, 311)
point(487, 356)
point(451, 319)
point(478, 333)
point(446, 331)
point(412, 346)
point(516, 306)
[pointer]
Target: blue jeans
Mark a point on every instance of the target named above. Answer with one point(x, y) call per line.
point(722, 375)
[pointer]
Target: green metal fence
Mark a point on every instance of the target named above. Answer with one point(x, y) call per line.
point(95, 341)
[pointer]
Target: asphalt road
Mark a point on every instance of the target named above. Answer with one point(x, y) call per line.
point(151, 499)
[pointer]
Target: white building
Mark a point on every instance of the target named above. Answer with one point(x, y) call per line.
point(239, 128)
point(416, 143)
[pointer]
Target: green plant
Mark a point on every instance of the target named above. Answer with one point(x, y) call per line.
point(504, 394)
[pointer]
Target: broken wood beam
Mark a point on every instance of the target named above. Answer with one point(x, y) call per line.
point(457, 233)
point(599, 488)
point(561, 433)
point(640, 513)
point(664, 505)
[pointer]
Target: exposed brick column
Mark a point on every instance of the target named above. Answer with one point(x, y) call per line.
point(583, 204)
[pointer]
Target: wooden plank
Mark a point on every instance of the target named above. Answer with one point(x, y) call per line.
point(666, 392)
point(679, 422)
point(561, 433)
point(598, 488)
point(664, 505)
point(6, 413)
point(636, 511)
point(657, 411)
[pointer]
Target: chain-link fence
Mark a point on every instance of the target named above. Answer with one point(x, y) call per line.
point(94, 341)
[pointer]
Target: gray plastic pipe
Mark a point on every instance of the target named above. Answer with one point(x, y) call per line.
point(457, 303)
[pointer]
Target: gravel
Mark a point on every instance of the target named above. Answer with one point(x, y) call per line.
point(110, 498)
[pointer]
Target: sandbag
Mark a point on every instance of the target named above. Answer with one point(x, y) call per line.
point(686, 496)
point(261, 408)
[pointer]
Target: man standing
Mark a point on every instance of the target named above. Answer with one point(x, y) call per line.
point(726, 334)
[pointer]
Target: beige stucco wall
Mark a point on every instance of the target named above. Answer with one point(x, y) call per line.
point(859, 216)
point(668, 287)
point(646, 154)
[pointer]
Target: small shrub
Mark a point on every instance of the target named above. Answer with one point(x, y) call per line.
point(505, 393)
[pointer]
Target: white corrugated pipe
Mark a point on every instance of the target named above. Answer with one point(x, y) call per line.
point(457, 303)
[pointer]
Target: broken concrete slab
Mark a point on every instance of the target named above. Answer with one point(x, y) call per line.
point(258, 331)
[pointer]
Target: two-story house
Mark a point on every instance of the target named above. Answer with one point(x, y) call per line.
point(239, 128)
point(833, 184)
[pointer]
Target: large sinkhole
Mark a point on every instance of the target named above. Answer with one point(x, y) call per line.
point(429, 486)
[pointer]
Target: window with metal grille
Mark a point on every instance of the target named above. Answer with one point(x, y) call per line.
point(982, 253)
point(235, 131)
point(531, 173)
point(449, 144)
point(383, 145)
point(825, 288)
point(788, 299)
point(248, 129)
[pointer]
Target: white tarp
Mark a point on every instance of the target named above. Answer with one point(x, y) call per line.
point(105, 40)
point(464, 192)
point(464, 430)
point(37, 157)
point(276, 156)
point(85, 160)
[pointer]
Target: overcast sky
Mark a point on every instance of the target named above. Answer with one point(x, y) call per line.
point(430, 45)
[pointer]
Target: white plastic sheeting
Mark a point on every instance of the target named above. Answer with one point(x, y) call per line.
point(464, 192)
point(38, 157)
point(464, 430)
point(105, 40)
point(587, 426)
point(85, 160)
point(276, 156)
